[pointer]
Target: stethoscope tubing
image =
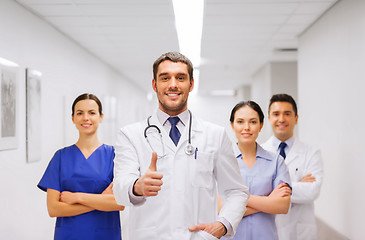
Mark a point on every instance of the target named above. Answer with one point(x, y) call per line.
point(189, 150)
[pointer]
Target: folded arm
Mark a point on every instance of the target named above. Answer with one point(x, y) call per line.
point(102, 202)
point(56, 208)
point(250, 210)
point(308, 187)
point(277, 202)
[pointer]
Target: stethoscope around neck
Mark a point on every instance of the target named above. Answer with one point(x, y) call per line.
point(189, 149)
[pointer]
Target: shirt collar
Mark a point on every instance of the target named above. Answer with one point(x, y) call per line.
point(289, 142)
point(162, 116)
point(260, 152)
point(236, 151)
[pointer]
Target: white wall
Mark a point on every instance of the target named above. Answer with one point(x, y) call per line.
point(261, 93)
point(272, 78)
point(68, 70)
point(215, 109)
point(331, 84)
point(284, 78)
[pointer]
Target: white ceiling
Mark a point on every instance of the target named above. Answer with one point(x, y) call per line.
point(239, 36)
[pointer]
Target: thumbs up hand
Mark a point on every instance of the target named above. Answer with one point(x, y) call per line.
point(150, 184)
point(152, 166)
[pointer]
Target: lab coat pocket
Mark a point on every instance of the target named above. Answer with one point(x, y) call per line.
point(206, 236)
point(203, 174)
point(299, 174)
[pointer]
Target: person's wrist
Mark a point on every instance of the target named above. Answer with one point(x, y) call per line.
point(136, 187)
point(223, 229)
point(78, 198)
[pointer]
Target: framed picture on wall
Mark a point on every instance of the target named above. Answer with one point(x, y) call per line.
point(8, 104)
point(33, 115)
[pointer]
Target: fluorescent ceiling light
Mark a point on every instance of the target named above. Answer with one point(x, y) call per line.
point(8, 63)
point(189, 27)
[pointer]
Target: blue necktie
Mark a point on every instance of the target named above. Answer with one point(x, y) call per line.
point(174, 132)
point(281, 149)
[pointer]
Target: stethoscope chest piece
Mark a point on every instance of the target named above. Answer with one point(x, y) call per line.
point(189, 150)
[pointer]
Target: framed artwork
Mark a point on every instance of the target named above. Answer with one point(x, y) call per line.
point(33, 115)
point(8, 105)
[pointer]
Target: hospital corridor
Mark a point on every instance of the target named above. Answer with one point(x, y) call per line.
point(52, 51)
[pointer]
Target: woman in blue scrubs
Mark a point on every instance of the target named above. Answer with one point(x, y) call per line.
point(79, 180)
point(265, 174)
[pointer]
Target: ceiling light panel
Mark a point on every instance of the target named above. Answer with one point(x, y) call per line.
point(250, 9)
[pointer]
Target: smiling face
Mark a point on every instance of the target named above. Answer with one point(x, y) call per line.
point(86, 116)
point(172, 86)
point(283, 120)
point(246, 125)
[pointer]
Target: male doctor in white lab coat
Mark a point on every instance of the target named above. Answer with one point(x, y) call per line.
point(305, 168)
point(171, 191)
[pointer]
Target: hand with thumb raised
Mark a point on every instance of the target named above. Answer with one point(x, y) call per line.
point(150, 184)
point(152, 166)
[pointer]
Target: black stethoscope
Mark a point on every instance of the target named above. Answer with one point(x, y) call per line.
point(189, 149)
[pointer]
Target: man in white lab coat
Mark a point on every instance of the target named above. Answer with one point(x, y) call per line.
point(169, 167)
point(305, 168)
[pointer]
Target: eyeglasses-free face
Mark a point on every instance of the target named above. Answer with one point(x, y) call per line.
point(172, 86)
point(283, 120)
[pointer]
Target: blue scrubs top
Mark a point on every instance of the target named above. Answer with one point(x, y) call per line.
point(268, 172)
point(70, 171)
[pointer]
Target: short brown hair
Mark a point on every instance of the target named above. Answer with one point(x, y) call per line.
point(283, 97)
point(174, 57)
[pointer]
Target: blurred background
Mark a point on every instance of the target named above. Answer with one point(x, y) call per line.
point(313, 50)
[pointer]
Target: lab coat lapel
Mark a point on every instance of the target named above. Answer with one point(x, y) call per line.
point(165, 135)
point(196, 129)
point(184, 139)
point(294, 153)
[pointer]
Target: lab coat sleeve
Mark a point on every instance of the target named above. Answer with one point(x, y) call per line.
point(231, 187)
point(304, 192)
point(126, 168)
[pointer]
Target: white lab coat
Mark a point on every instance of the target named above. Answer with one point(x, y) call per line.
point(189, 192)
point(300, 223)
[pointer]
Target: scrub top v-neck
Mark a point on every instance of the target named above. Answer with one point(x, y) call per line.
point(69, 170)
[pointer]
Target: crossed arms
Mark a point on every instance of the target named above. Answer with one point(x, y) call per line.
point(67, 204)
